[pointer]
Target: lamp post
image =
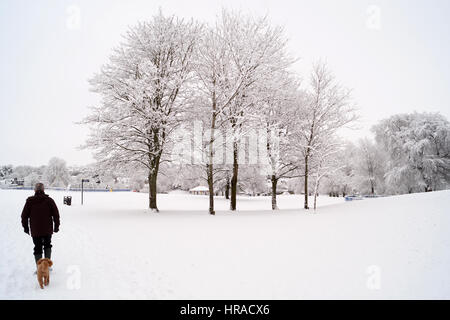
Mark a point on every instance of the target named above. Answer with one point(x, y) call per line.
point(83, 181)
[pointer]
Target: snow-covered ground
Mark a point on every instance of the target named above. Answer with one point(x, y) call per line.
point(397, 247)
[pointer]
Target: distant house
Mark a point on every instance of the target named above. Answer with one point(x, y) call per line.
point(17, 182)
point(200, 190)
point(12, 183)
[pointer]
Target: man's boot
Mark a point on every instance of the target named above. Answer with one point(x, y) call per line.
point(37, 257)
point(48, 254)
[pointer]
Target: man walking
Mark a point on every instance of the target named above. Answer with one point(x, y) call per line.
point(40, 213)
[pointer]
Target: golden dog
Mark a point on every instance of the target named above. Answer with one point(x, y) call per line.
point(43, 272)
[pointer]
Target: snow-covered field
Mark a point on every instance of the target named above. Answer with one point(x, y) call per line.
point(397, 247)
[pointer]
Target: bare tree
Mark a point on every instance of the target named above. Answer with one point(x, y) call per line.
point(143, 88)
point(258, 51)
point(326, 162)
point(328, 109)
point(277, 110)
point(369, 166)
point(56, 173)
point(236, 54)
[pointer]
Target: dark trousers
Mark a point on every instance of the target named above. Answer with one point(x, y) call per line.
point(39, 242)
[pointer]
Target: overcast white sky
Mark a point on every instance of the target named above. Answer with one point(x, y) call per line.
point(397, 63)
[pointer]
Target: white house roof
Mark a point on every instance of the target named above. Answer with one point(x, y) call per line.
point(199, 188)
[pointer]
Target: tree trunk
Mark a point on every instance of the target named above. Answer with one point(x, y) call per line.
point(315, 201)
point(227, 188)
point(316, 188)
point(234, 178)
point(306, 183)
point(154, 161)
point(152, 192)
point(274, 192)
point(210, 166)
point(211, 188)
point(316, 193)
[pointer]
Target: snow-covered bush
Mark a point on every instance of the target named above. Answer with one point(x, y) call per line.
point(418, 151)
point(6, 171)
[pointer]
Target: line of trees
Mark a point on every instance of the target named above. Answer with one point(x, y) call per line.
point(234, 76)
point(410, 153)
point(56, 174)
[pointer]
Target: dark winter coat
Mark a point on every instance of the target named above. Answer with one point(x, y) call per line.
point(41, 212)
